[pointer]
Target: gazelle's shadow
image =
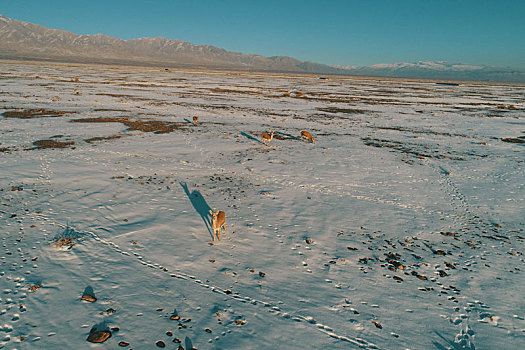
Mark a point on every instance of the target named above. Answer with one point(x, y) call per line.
point(200, 205)
point(188, 121)
point(248, 136)
point(288, 135)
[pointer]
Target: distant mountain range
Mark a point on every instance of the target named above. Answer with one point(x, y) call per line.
point(28, 41)
point(438, 70)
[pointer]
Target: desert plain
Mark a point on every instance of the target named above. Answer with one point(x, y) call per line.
point(400, 227)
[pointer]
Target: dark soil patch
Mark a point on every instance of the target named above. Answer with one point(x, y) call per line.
point(326, 118)
point(509, 107)
point(405, 148)
point(416, 131)
point(101, 120)
point(108, 110)
point(155, 126)
point(33, 113)
point(126, 97)
point(232, 91)
point(5, 150)
point(341, 110)
point(43, 144)
point(520, 139)
point(102, 138)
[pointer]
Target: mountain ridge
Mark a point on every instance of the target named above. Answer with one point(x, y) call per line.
point(30, 41)
point(27, 40)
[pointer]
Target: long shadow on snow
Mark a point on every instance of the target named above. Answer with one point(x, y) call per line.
point(288, 135)
point(200, 205)
point(188, 121)
point(250, 137)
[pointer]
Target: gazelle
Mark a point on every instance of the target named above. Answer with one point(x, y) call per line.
point(195, 121)
point(75, 92)
point(267, 137)
point(218, 220)
point(307, 136)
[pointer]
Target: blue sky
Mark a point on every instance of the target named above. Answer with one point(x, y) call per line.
point(347, 32)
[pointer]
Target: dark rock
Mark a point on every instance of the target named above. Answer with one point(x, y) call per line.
point(99, 336)
point(377, 324)
point(89, 298)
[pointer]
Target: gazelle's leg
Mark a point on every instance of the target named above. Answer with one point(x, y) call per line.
point(219, 234)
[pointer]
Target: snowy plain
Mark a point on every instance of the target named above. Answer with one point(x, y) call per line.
point(400, 227)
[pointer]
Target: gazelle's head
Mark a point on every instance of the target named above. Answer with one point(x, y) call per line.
point(313, 140)
point(214, 215)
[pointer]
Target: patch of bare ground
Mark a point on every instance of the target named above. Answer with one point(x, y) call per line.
point(325, 118)
point(245, 110)
point(126, 97)
point(5, 149)
point(245, 92)
point(146, 125)
point(519, 139)
point(108, 110)
point(46, 144)
point(406, 148)
point(33, 113)
point(102, 138)
point(43, 85)
point(341, 110)
point(509, 107)
point(176, 79)
point(353, 99)
point(415, 131)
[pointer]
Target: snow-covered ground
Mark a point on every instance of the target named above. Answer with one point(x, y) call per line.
point(401, 227)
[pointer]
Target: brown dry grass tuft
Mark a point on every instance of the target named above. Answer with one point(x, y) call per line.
point(155, 126)
point(341, 110)
point(101, 138)
point(62, 241)
point(44, 144)
point(33, 113)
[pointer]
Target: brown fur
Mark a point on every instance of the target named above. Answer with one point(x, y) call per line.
point(195, 121)
point(218, 220)
point(267, 137)
point(307, 136)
